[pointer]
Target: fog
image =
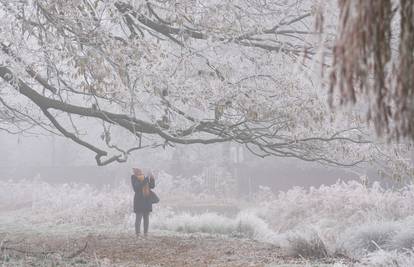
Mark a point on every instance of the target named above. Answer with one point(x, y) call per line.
point(58, 160)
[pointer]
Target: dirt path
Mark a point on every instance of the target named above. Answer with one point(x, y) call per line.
point(30, 249)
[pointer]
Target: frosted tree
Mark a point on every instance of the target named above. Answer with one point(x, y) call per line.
point(374, 62)
point(168, 72)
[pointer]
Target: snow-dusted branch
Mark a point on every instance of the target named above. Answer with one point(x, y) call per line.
point(168, 74)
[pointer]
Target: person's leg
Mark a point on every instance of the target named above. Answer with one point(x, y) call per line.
point(138, 218)
point(146, 222)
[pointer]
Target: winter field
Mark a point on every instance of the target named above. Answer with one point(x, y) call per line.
point(215, 99)
point(345, 224)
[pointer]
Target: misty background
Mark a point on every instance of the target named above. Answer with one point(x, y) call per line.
point(55, 159)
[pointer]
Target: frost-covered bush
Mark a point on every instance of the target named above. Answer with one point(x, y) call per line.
point(339, 206)
point(383, 258)
point(360, 240)
point(245, 224)
point(347, 216)
point(68, 203)
point(306, 244)
point(404, 237)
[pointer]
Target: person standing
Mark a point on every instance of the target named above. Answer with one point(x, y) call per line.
point(142, 198)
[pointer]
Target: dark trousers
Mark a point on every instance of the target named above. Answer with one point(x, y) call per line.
point(138, 218)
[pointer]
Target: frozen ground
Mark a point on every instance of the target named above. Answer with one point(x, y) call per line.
point(159, 249)
point(344, 225)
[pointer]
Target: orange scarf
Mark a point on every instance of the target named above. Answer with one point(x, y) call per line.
point(145, 188)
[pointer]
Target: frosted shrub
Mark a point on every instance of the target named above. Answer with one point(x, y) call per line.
point(204, 223)
point(244, 225)
point(338, 206)
point(69, 203)
point(404, 238)
point(306, 244)
point(347, 216)
point(382, 258)
point(368, 238)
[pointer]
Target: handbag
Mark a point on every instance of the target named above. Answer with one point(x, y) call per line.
point(153, 198)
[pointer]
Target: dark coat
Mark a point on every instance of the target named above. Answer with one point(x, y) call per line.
point(141, 203)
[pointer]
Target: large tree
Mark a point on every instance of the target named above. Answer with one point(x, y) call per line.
point(167, 72)
point(374, 62)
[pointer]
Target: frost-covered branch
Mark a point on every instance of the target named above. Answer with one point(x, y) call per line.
point(118, 76)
